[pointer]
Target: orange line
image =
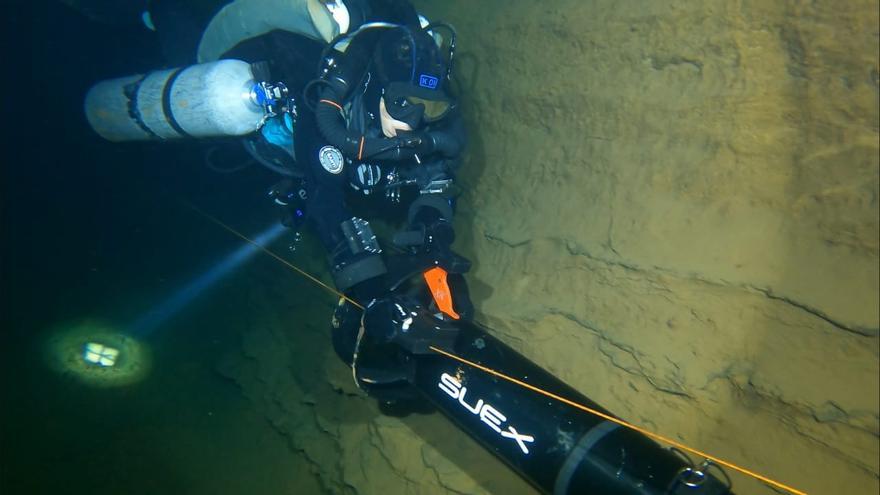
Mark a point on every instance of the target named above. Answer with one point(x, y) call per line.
point(331, 102)
point(361, 148)
point(620, 422)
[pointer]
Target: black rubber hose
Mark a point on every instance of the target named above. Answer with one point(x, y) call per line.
point(209, 162)
point(262, 161)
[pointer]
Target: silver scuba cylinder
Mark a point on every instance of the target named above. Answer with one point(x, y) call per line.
point(214, 99)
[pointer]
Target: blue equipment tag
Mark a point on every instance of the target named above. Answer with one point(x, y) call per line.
point(427, 81)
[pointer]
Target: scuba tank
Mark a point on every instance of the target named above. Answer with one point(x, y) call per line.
point(214, 99)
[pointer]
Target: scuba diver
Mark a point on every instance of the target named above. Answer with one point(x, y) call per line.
point(379, 134)
point(352, 104)
point(364, 126)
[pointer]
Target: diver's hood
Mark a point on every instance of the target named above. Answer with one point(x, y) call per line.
point(413, 73)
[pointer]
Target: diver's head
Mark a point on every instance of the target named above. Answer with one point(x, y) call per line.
point(413, 73)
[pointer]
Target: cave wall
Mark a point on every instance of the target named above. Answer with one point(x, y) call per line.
point(674, 207)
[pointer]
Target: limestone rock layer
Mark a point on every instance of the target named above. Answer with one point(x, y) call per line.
point(673, 206)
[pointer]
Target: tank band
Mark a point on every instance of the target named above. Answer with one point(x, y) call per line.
point(166, 103)
point(577, 454)
point(131, 93)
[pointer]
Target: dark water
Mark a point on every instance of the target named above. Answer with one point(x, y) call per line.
point(93, 230)
point(96, 230)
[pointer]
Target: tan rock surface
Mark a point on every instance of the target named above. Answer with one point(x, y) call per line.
point(671, 205)
point(676, 206)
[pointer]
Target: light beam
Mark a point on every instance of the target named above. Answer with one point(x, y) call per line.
point(155, 318)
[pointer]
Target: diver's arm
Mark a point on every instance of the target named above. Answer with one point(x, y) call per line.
point(355, 145)
point(450, 139)
point(432, 212)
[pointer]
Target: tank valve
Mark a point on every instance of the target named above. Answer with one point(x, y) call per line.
point(273, 98)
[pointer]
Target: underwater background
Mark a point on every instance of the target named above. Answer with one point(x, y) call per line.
point(672, 206)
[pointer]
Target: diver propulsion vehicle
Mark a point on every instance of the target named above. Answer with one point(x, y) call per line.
point(407, 341)
point(557, 448)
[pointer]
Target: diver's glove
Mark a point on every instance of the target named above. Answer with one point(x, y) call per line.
point(429, 225)
point(402, 323)
point(441, 142)
point(392, 331)
point(347, 317)
point(385, 338)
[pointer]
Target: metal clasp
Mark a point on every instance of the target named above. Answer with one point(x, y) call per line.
point(273, 98)
point(691, 476)
point(436, 186)
point(694, 476)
